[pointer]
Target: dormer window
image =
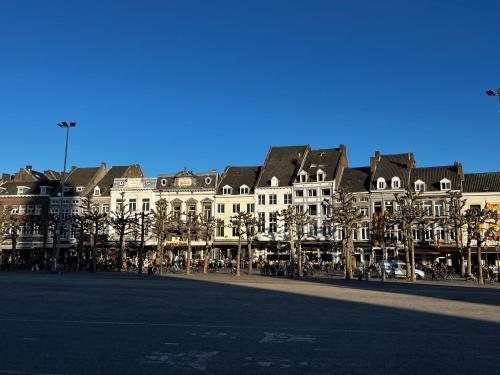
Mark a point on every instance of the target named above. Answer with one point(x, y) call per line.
point(320, 176)
point(163, 182)
point(419, 185)
point(274, 181)
point(396, 183)
point(445, 184)
point(381, 183)
point(79, 189)
point(21, 190)
point(44, 190)
point(97, 191)
point(303, 176)
point(227, 190)
point(244, 189)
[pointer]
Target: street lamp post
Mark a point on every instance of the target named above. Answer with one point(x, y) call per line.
point(491, 92)
point(57, 237)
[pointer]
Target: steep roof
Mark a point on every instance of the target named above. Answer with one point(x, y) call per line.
point(106, 183)
point(389, 166)
point(432, 177)
point(326, 159)
point(356, 180)
point(238, 176)
point(481, 182)
point(10, 188)
point(79, 177)
point(283, 162)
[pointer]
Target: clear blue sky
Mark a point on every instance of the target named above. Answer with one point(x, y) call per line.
point(211, 83)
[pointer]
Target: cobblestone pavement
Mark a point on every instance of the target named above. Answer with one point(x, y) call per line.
point(220, 324)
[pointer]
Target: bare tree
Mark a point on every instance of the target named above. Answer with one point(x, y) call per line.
point(95, 222)
point(347, 215)
point(13, 227)
point(122, 221)
point(207, 227)
point(407, 215)
point(4, 220)
point(380, 223)
point(80, 227)
point(189, 228)
point(242, 221)
point(456, 219)
point(161, 222)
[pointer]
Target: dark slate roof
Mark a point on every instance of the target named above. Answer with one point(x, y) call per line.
point(238, 176)
point(106, 183)
point(325, 159)
point(284, 163)
point(10, 188)
point(432, 177)
point(390, 166)
point(481, 182)
point(356, 180)
point(79, 177)
point(202, 180)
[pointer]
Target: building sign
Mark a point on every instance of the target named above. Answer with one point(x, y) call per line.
point(184, 182)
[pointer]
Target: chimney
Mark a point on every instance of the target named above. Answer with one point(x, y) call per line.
point(103, 165)
point(377, 155)
point(29, 167)
point(459, 170)
point(6, 177)
point(342, 149)
point(373, 164)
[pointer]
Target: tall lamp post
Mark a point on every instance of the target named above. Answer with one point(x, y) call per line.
point(57, 237)
point(491, 92)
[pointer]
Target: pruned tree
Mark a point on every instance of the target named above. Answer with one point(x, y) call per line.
point(408, 214)
point(4, 220)
point(122, 221)
point(95, 222)
point(207, 226)
point(189, 229)
point(456, 220)
point(345, 213)
point(161, 224)
point(80, 227)
point(242, 221)
point(380, 222)
point(13, 227)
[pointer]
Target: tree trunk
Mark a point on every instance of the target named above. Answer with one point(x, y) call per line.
point(121, 250)
point(292, 253)
point(407, 256)
point(205, 258)
point(238, 257)
point(159, 252)
point(14, 252)
point(249, 247)
point(299, 255)
point(412, 252)
point(480, 270)
point(94, 253)
point(188, 260)
point(348, 263)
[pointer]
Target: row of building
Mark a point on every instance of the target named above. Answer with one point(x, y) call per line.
point(290, 175)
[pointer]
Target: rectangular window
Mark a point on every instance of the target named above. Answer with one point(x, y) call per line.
point(235, 231)
point(220, 231)
point(105, 208)
point(262, 199)
point(207, 210)
point(38, 209)
point(326, 210)
point(428, 208)
point(177, 212)
point(326, 192)
point(313, 209)
point(145, 205)
point(22, 210)
point(30, 209)
point(299, 193)
point(312, 193)
point(132, 205)
point(300, 209)
point(365, 232)
point(363, 199)
point(287, 199)
point(439, 208)
point(236, 208)
point(221, 208)
point(273, 222)
point(377, 207)
point(250, 207)
point(261, 225)
point(388, 206)
point(273, 199)
point(191, 208)
point(363, 211)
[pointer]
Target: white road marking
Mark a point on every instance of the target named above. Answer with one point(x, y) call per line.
point(280, 338)
point(14, 372)
point(245, 327)
point(170, 343)
point(193, 359)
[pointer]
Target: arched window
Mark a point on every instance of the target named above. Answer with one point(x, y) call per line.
point(419, 185)
point(396, 183)
point(445, 184)
point(244, 189)
point(227, 190)
point(274, 181)
point(97, 191)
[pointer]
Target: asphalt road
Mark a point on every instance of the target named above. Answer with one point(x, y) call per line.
point(217, 324)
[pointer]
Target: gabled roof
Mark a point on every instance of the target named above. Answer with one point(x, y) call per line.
point(356, 180)
point(284, 163)
point(326, 159)
point(389, 166)
point(238, 176)
point(482, 182)
point(432, 177)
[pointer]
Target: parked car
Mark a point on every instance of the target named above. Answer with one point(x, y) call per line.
point(399, 271)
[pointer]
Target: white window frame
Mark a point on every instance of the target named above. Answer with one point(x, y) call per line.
point(419, 185)
point(244, 190)
point(381, 184)
point(396, 183)
point(445, 184)
point(227, 190)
